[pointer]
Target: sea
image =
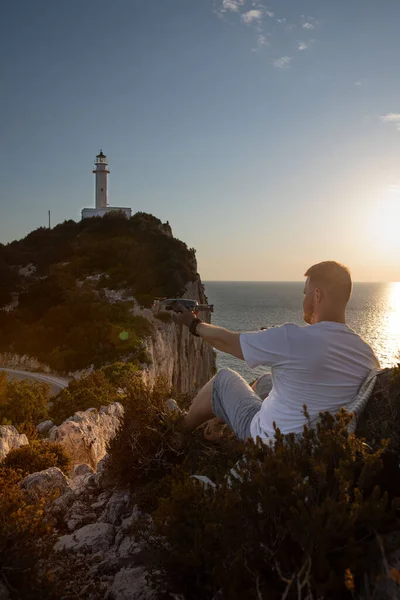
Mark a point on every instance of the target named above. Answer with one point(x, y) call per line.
point(373, 312)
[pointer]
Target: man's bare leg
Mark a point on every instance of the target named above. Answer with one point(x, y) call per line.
point(200, 410)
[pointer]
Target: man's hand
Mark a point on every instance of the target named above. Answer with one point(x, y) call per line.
point(185, 316)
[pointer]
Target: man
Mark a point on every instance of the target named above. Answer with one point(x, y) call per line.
point(321, 365)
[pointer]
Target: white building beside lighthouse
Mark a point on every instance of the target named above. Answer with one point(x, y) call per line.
point(101, 172)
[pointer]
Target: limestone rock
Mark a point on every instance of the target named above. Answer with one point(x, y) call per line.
point(44, 427)
point(10, 439)
point(118, 506)
point(128, 547)
point(92, 538)
point(43, 483)
point(130, 584)
point(104, 477)
point(86, 434)
point(184, 360)
point(82, 469)
point(101, 501)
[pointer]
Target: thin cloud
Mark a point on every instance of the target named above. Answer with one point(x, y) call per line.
point(309, 22)
point(251, 15)
point(283, 62)
point(392, 118)
point(262, 40)
point(358, 83)
point(233, 5)
point(303, 45)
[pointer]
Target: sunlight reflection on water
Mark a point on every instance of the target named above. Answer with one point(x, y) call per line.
point(373, 312)
point(379, 322)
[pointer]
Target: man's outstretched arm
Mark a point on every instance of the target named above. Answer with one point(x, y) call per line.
point(221, 339)
point(218, 337)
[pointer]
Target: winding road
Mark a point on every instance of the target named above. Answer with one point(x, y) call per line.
point(56, 383)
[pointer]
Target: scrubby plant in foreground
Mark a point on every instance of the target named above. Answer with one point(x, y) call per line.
point(138, 450)
point(150, 443)
point(381, 418)
point(37, 456)
point(22, 525)
point(303, 515)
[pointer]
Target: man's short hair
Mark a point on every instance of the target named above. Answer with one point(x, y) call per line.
point(333, 277)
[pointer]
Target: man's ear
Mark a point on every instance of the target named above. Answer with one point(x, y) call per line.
point(317, 295)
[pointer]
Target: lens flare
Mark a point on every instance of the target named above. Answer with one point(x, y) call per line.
point(124, 335)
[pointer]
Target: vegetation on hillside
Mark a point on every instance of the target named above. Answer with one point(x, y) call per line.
point(64, 316)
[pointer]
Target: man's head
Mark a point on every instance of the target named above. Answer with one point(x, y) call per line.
point(326, 292)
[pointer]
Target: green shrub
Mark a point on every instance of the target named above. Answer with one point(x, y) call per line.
point(119, 373)
point(93, 391)
point(23, 401)
point(306, 514)
point(37, 456)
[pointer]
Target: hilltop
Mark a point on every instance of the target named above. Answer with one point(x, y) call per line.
point(69, 292)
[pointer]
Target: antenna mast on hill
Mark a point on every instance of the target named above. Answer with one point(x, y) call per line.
point(49, 221)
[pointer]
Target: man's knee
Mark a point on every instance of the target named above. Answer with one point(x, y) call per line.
point(227, 374)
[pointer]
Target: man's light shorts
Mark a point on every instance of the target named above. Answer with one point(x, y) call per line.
point(234, 401)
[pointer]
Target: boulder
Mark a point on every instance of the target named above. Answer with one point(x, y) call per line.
point(118, 506)
point(44, 427)
point(130, 584)
point(93, 538)
point(44, 483)
point(10, 439)
point(86, 434)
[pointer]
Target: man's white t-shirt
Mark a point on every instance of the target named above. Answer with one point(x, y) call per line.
point(321, 366)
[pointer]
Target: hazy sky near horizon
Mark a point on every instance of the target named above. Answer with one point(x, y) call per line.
point(267, 134)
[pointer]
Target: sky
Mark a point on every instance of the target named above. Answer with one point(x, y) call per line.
point(267, 134)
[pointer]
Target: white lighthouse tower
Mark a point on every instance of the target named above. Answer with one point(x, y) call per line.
point(101, 172)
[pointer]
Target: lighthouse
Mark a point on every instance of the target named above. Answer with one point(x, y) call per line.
point(101, 172)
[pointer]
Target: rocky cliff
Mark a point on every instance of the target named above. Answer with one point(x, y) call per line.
point(184, 360)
